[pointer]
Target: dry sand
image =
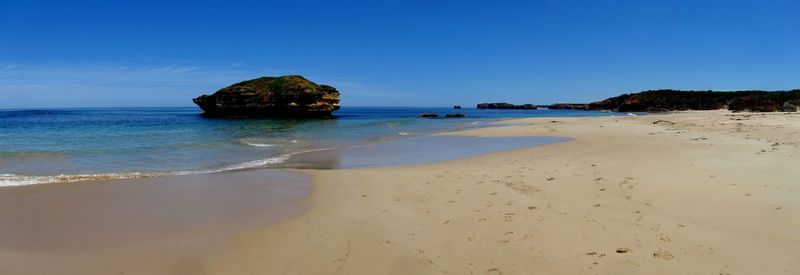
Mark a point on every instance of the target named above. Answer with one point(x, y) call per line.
point(713, 193)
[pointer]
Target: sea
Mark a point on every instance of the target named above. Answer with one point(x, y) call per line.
point(67, 145)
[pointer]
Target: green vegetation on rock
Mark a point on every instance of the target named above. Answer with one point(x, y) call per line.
point(674, 100)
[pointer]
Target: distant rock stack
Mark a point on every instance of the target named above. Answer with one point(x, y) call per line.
point(286, 96)
point(568, 106)
point(503, 105)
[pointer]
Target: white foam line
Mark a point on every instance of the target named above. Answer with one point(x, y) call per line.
point(261, 144)
point(20, 180)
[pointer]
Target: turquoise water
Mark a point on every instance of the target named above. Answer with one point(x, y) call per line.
point(61, 145)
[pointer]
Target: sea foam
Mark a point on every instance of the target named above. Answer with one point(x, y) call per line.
point(261, 144)
point(20, 180)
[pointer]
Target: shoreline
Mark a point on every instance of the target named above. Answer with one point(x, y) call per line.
point(181, 222)
point(710, 193)
point(620, 183)
point(272, 162)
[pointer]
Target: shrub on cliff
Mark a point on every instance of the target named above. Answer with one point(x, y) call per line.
point(674, 100)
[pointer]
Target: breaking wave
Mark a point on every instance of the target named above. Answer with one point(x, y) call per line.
point(19, 180)
point(261, 144)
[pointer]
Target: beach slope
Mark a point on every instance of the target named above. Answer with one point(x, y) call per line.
point(707, 192)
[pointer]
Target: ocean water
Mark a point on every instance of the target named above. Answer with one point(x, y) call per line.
point(65, 145)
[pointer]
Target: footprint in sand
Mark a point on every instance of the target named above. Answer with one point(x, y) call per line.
point(663, 254)
point(494, 270)
point(638, 215)
point(628, 184)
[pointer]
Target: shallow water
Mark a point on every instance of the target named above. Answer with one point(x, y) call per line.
point(64, 145)
point(414, 150)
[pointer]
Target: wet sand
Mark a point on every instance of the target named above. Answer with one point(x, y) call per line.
point(413, 150)
point(178, 224)
point(684, 193)
point(169, 225)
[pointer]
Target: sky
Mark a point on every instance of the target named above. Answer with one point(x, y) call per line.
point(63, 54)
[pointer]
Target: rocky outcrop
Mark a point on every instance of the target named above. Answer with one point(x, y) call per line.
point(568, 106)
point(435, 115)
point(503, 105)
point(284, 96)
point(673, 100)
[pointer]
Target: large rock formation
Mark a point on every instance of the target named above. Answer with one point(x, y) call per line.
point(285, 96)
point(672, 100)
point(503, 105)
point(568, 106)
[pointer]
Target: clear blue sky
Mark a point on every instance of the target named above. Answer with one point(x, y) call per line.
point(391, 53)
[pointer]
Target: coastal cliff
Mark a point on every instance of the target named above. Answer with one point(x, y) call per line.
point(567, 106)
point(674, 100)
point(503, 105)
point(284, 96)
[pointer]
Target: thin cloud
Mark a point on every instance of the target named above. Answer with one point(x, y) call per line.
point(138, 84)
point(148, 84)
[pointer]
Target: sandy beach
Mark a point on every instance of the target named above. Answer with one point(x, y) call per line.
point(164, 225)
point(709, 192)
